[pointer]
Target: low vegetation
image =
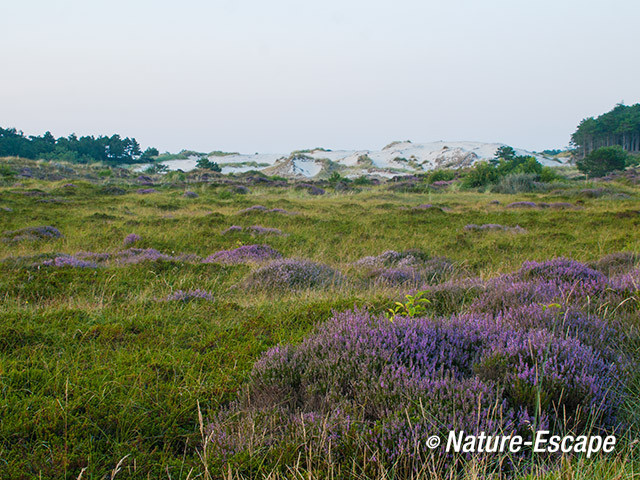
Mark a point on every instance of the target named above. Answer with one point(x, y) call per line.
point(179, 326)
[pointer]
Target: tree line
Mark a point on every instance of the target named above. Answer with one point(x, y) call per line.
point(113, 149)
point(620, 126)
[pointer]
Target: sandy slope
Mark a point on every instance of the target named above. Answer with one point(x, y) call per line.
point(398, 158)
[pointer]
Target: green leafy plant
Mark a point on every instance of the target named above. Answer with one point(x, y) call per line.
point(551, 305)
point(415, 305)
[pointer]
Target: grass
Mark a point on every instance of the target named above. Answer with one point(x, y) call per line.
point(97, 376)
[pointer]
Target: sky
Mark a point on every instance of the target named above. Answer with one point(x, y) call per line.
point(279, 75)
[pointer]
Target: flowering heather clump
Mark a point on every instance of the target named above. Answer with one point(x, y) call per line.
point(429, 269)
point(281, 210)
point(69, 261)
point(130, 256)
point(522, 205)
point(145, 191)
point(394, 383)
point(626, 284)
point(111, 190)
point(563, 374)
point(189, 194)
point(436, 269)
point(592, 192)
point(602, 335)
point(394, 276)
point(254, 208)
point(292, 274)
point(494, 227)
point(505, 292)
point(68, 185)
point(139, 255)
point(560, 270)
point(311, 189)
point(451, 296)
point(391, 258)
point(131, 239)
point(232, 229)
point(188, 296)
point(239, 189)
point(441, 184)
point(524, 355)
point(616, 262)
point(45, 232)
point(558, 280)
point(244, 254)
point(144, 180)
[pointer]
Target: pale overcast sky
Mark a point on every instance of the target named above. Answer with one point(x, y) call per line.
point(279, 75)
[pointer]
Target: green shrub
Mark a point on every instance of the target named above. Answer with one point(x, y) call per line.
point(362, 180)
point(517, 183)
point(603, 160)
point(336, 178)
point(441, 175)
point(176, 175)
point(482, 174)
point(548, 174)
point(7, 171)
point(207, 164)
point(506, 163)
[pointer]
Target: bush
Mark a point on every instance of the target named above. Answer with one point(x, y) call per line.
point(45, 232)
point(335, 178)
point(379, 388)
point(517, 183)
point(292, 274)
point(548, 174)
point(7, 171)
point(243, 254)
point(441, 175)
point(395, 276)
point(131, 239)
point(480, 175)
point(603, 161)
point(362, 180)
point(506, 163)
point(207, 164)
